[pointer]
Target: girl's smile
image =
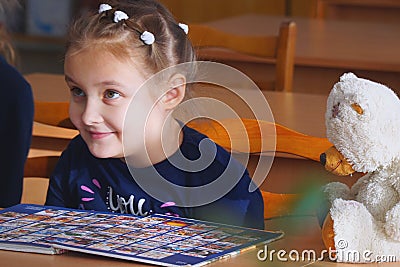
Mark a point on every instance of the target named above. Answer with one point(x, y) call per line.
point(100, 135)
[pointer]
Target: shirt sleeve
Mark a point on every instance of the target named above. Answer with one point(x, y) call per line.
point(239, 207)
point(248, 206)
point(254, 217)
point(58, 186)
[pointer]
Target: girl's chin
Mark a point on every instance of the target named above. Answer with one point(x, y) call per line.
point(106, 154)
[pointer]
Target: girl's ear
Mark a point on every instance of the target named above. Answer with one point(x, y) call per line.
point(176, 93)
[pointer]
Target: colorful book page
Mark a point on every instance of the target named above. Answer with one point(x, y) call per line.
point(156, 239)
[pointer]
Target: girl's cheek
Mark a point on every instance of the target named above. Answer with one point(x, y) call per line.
point(75, 115)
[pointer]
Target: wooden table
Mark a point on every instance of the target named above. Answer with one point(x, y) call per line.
point(49, 140)
point(303, 112)
point(325, 49)
point(367, 10)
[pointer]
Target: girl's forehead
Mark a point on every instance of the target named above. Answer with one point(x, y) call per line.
point(93, 67)
point(96, 52)
point(102, 56)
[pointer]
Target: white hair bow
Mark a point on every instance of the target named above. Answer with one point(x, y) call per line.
point(147, 38)
point(120, 15)
point(184, 27)
point(104, 7)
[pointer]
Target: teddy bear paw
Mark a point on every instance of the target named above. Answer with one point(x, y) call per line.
point(392, 225)
point(350, 204)
point(350, 210)
point(336, 190)
point(392, 231)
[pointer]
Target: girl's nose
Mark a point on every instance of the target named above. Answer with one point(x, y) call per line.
point(92, 113)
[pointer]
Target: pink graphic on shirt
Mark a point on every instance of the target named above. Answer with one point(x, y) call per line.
point(96, 183)
point(89, 190)
point(169, 204)
point(87, 199)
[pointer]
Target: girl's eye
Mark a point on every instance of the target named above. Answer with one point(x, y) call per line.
point(111, 94)
point(77, 92)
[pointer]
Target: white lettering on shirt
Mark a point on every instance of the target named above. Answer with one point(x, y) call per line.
point(124, 206)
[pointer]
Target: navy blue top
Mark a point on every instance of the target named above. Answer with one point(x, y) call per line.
point(16, 117)
point(81, 180)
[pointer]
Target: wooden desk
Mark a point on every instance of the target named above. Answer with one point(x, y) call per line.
point(324, 50)
point(49, 140)
point(367, 10)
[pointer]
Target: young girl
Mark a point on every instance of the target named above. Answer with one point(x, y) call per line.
point(109, 56)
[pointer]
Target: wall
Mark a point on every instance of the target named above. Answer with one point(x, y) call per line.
point(195, 11)
point(40, 56)
point(206, 10)
point(303, 8)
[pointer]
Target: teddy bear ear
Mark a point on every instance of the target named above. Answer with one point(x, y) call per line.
point(357, 108)
point(348, 76)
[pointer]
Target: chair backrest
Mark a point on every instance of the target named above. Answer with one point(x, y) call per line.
point(36, 178)
point(41, 166)
point(47, 144)
point(253, 137)
point(256, 139)
point(278, 49)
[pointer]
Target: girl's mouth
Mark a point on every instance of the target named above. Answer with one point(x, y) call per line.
point(99, 135)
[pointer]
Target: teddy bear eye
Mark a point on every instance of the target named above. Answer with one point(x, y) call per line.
point(357, 108)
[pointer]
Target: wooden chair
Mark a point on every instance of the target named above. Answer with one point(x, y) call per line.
point(232, 49)
point(36, 178)
point(235, 140)
point(53, 113)
point(47, 144)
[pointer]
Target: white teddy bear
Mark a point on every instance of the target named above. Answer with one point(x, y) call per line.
point(363, 124)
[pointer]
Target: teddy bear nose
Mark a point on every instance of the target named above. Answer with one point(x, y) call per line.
point(322, 158)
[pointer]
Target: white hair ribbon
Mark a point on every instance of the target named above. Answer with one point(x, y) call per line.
point(104, 7)
point(147, 38)
point(184, 27)
point(120, 15)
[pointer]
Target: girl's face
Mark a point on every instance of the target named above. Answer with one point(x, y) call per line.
point(101, 89)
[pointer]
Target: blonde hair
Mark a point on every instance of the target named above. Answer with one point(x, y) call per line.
point(6, 48)
point(122, 39)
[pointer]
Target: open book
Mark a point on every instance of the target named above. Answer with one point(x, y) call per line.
point(156, 239)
